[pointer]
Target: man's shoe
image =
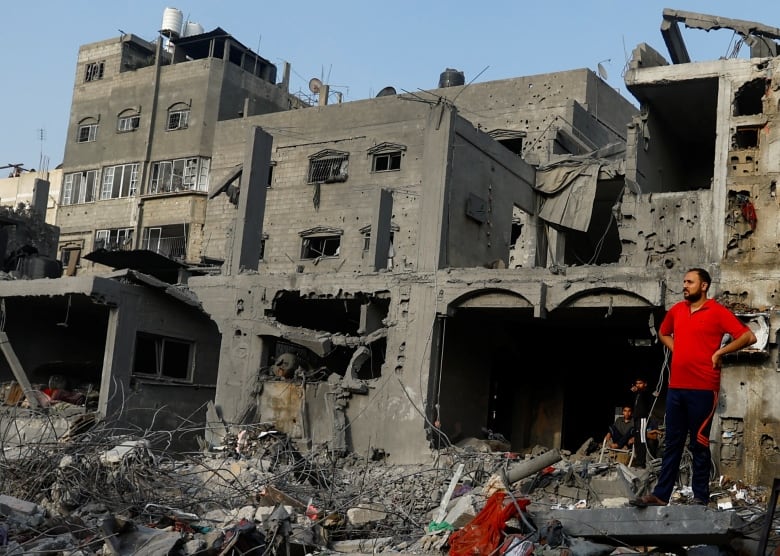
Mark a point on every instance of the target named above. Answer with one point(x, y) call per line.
point(647, 500)
point(698, 502)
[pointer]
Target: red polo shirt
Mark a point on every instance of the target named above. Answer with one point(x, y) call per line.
point(696, 337)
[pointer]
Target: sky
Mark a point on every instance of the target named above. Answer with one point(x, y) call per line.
point(357, 47)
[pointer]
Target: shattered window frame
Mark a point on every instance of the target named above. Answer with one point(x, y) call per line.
point(181, 174)
point(93, 71)
point(365, 231)
point(328, 166)
point(119, 181)
point(116, 239)
point(177, 119)
point(79, 187)
point(320, 245)
point(316, 247)
point(68, 250)
point(164, 353)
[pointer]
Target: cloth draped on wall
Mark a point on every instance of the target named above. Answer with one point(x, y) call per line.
point(568, 189)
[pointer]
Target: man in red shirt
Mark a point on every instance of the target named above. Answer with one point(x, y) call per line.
point(693, 331)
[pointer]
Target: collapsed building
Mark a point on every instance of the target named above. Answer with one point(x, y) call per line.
point(392, 275)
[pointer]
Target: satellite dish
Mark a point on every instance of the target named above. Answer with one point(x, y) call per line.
point(602, 71)
point(387, 91)
point(315, 85)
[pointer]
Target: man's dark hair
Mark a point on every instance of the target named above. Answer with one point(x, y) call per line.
point(704, 276)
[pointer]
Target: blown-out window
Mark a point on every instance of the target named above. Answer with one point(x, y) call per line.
point(178, 117)
point(94, 71)
point(386, 157)
point(117, 239)
point(119, 181)
point(320, 242)
point(79, 187)
point(181, 174)
point(163, 357)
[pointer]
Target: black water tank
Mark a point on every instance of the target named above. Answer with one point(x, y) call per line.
point(451, 78)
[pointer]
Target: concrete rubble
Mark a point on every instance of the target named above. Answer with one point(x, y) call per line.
point(107, 493)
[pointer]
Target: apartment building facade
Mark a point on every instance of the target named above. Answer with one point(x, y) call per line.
point(491, 258)
point(138, 153)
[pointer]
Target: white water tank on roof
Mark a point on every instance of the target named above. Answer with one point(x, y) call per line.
point(191, 28)
point(171, 22)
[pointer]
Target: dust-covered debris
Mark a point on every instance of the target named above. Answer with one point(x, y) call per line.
point(108, 492)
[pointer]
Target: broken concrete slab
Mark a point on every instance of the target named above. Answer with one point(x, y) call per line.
point(662, 525)
point(9, 504)
point(366, 513)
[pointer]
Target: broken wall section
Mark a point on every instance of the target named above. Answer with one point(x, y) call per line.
point(665, 230)
point(753, 170)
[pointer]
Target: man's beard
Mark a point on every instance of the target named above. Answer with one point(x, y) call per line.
point(693, 297)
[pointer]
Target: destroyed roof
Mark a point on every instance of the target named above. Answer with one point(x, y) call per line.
point(143, 260)
point(199, 46)
point(754, 34)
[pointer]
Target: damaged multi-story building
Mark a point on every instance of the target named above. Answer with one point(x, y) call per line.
point(393, 274)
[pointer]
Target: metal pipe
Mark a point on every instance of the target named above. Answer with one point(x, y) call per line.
point(526, 468)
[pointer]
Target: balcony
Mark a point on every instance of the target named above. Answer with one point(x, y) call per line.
point(172, 247)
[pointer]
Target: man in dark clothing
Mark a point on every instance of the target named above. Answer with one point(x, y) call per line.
point(621, 433)
point(643, 404)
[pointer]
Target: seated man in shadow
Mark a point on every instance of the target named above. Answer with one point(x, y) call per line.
point(620, 435)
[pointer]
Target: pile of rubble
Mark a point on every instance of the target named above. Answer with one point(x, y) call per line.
point(258, 494)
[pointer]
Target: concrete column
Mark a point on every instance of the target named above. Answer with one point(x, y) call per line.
point(379, 245)
point(242, 355)
point(118, 355)
point(286, 77)
point(40, 198)
point(437, 153)
point(324, 92)
point(251, 202)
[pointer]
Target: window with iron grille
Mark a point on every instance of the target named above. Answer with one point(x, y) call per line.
point(94, 71)
point(177, 119)
point(328, 167)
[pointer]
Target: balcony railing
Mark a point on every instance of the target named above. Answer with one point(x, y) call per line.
point(171, 247)
point(125, 244)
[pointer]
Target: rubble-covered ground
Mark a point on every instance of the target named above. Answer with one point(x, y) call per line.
point(114, 494)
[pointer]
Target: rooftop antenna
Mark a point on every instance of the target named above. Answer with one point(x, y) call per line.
point(469, 83)
point(602, 70)
point(42, 139)
point(257, 52)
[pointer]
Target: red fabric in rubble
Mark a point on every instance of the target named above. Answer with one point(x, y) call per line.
point(482, 535)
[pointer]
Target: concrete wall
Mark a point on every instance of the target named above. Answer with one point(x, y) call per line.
point(541, 104)
point(15, 190)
